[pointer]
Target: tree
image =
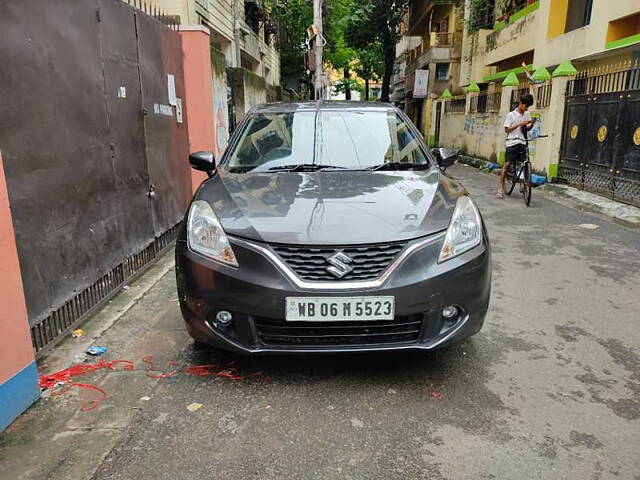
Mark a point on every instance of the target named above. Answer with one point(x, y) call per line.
point(377, 20)
point(337, 52)
point(346, 86)
point(369, 64)
point(292, 17)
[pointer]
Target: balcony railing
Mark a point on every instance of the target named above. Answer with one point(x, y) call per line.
point(544, 95)
point(406, 44)
point(250, 41)
point(422, 54)
point(486, 102)
point(455, 105)
point(441, 39)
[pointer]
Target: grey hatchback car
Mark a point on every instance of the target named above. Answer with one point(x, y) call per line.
point(330, 227)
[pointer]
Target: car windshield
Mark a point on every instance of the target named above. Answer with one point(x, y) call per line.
point(328, 139)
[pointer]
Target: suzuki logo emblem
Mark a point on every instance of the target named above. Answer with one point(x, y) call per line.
point(339, 265)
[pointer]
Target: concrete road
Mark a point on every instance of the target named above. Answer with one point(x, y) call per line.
point(550, 389)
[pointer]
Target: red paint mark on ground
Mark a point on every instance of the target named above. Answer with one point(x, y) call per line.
point(61, 382)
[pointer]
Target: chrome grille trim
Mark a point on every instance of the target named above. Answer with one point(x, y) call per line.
point(338, 284)
point(311, 263)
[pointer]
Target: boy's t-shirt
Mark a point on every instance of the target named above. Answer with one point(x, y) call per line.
point(516, 136)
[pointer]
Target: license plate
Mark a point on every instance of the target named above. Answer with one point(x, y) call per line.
point(338, 309)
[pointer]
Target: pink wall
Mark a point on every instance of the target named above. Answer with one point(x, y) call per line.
point(198, 92)
point(16, 351)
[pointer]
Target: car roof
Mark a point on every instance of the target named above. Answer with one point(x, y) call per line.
point(322, 105)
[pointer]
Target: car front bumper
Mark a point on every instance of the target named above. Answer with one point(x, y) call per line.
point(255, 294)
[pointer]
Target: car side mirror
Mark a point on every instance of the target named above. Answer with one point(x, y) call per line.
point(203, 161)
point(445, 157)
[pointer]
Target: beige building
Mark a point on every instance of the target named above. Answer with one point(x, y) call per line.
point(431, 41)
point(548, 32)
point(242, 33)
point(586, 59)
point(231, 20)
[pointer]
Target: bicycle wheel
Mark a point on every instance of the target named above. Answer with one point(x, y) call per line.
point(527, 184)
point(510, 180)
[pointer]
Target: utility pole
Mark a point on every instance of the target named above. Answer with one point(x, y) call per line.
point(318, 44)
point(237, 60)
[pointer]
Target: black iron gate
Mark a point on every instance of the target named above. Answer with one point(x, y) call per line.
point(94, 152)
point(601, 135)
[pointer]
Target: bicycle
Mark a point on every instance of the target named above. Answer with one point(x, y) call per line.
point(522, 176)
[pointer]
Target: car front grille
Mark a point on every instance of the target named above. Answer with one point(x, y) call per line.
point(292, 334)
point(311, 263)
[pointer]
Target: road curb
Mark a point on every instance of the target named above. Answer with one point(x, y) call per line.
point(71, 350)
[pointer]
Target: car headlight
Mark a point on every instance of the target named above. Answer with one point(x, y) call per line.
point(465, 230)
point(206, 236)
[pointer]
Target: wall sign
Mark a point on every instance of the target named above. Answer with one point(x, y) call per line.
point(420, 84)
point(161, 109)
point(171, 88)
point(178, 110)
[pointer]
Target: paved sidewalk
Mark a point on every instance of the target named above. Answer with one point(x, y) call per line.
point(549, 389)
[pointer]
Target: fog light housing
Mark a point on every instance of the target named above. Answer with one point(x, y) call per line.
point(223, 318)
point(450, 312)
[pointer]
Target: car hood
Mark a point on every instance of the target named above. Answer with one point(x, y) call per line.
point(332, 207)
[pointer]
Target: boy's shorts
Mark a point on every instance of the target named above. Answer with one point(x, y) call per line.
point(516, 153)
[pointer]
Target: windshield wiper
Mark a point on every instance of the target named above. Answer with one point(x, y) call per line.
point(303, 167)
point(400, 166)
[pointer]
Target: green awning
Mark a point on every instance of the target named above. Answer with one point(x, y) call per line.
point(565, 69)
point(473, 88)
point(511, 80)
point(541, 75)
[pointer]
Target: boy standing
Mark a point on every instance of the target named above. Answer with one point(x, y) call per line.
point(516, 126)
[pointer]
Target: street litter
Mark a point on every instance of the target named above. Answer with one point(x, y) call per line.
point(194, 406)
point(126, 287)
point(145, 399)
point(96, 351)
point(588, 226)
point(78, 333)
point(63, 377)
point(437, 396)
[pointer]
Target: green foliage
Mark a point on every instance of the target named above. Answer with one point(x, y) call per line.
point(292, 17)
point(377, 21)
point(369, 64)
point(341, 85)
point(337, 20)
point(360, 34)
point(478, 15)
